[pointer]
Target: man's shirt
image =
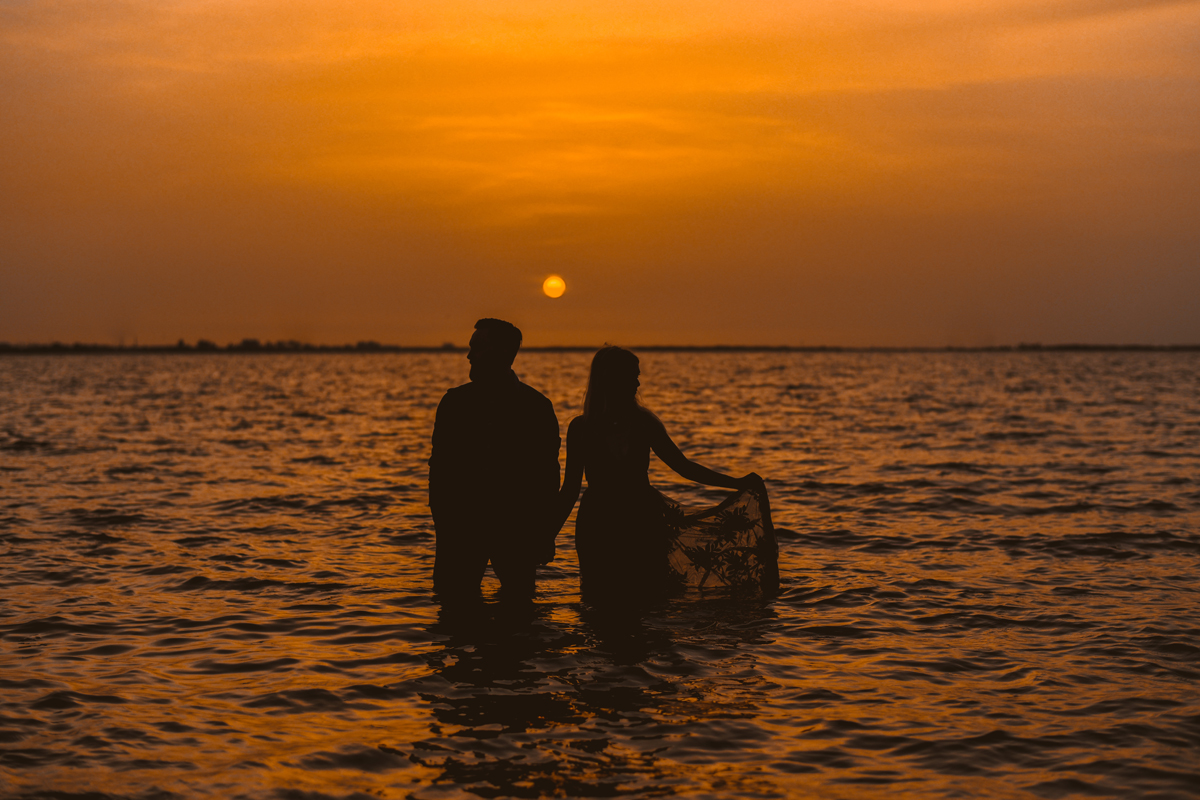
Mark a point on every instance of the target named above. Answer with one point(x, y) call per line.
point(494, 466)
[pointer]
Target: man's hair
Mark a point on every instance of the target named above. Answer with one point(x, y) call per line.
point(506, 335)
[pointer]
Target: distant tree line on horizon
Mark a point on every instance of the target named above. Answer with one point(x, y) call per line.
point(208, 346)
point(371, 346)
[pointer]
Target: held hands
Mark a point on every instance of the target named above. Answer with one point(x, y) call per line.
point(544, 548)
point(544, 552)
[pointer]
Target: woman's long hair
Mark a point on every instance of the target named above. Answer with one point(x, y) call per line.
point(609, 395)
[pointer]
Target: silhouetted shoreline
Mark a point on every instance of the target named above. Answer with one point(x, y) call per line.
point(256, 346)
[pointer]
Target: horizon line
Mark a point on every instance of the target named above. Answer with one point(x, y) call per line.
point(372, 346)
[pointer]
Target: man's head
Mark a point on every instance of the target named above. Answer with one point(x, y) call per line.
point(494, 345)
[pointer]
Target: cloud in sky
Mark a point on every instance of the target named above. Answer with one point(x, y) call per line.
point(821, 172)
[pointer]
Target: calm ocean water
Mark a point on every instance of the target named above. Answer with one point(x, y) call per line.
point(215, 583)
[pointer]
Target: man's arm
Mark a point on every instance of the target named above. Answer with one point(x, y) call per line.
point(440, 458)
point(552, 443)
point(545, 478)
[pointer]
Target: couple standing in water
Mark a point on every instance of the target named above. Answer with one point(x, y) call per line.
point(495, 496)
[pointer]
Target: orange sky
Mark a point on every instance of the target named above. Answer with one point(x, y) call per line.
point(837, 172)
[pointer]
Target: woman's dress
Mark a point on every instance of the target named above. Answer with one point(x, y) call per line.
point(728, 546)
point(635, 543)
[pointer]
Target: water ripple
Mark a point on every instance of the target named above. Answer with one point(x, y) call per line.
point(216, 584)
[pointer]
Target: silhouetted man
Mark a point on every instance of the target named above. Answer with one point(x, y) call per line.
point(493, 473)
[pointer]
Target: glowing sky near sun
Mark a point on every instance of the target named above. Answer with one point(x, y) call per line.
point(875, 172)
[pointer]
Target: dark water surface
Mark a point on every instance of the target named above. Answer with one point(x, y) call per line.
point(215, 583)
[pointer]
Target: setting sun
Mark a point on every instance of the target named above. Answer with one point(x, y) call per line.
point(554, 286)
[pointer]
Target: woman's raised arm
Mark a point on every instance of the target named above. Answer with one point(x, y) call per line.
point(666, 449)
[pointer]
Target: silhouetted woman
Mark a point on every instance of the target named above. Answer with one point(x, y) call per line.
point(626, 531)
